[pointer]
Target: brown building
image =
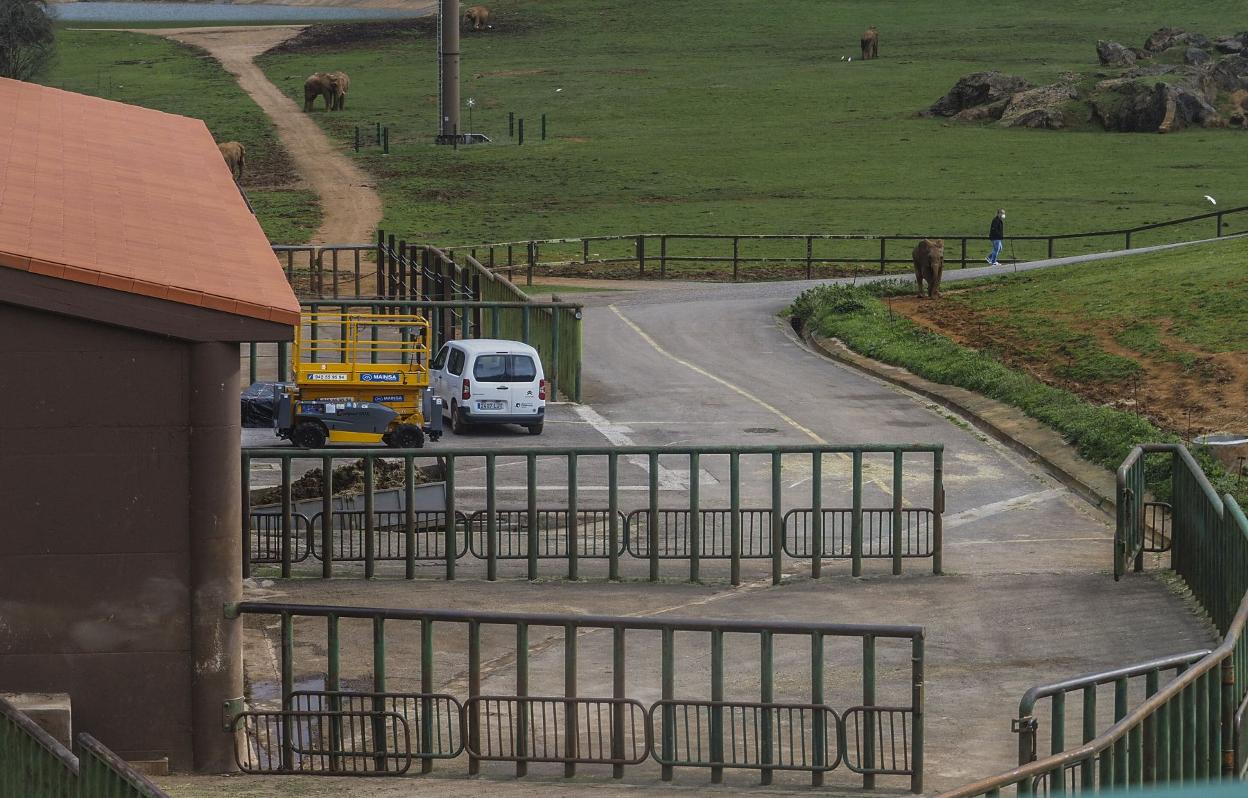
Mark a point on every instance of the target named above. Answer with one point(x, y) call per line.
point(130, 269)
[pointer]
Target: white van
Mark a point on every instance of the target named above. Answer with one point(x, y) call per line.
point(490, 381)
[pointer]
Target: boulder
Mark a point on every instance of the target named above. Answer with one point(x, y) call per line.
point(1114, 54)
point(1191, 108)
point(1194, 56)
point(1165, 38)
point(982, 113)
point(1229, 73)
point(1129, 106)
point(1042, 107)
point(979, 88)
point(1149, 70)
point(1229, 46)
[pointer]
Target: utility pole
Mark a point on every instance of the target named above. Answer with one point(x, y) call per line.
point(448, 71)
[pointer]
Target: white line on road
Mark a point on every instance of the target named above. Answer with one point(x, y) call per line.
point(617, 435)
point(1003, 506)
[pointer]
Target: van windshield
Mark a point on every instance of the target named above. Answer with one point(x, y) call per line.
point(504, 368)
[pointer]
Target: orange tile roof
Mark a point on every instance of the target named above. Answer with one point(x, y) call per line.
point(131, 199)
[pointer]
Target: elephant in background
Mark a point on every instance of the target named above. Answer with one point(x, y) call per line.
point(318, 84)
point(234, 155)
point(929, 263)
point(870, 43)
point(341, 83)
point(478, 17)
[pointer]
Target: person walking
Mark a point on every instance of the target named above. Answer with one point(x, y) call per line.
point(996, 234)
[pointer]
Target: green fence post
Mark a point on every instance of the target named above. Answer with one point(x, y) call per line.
point(613, 511)
point(617, 692)
point(573, 524)
point(897, 488)
point(491, 520)
point(868, 715)
point(525, 325)
point(426, 687)
point(474, 690)
point(695, 521)
point(379, 686)
point(288, 687)
point(1229, 690)
point(777, 519)
point(816, 515)
point(668, 735)
point(766, 696)
point(287, 520)
point(1057, 738)
point(333, 683)
point(533, 544)
point(819, 743)
point(717, 713)
point(652, 528)
point(938, 510)
point(734, 503)
point(327, 517)
point(556, 378)
point(570, 736)
point(916, 701)
point(1149, 774)
point(522, 706)
point(245, 521)
point(855, 541)
point(251, 363)
point(451, 528)
point(370, 545)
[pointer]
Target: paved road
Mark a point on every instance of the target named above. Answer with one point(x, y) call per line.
point(1027, 598)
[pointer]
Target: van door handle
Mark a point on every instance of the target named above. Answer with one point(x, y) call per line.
point(502, 387)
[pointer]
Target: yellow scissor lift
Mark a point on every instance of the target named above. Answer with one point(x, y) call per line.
point(343, 361)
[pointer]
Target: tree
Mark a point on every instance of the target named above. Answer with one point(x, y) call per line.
point(26, 38)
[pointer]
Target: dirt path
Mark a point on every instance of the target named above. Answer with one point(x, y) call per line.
point(351, 207)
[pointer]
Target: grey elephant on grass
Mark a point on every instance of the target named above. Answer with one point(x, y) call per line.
point(478, 17)
point(929, 262)
point(234, 155)
point(318, 84)
point(341, 83)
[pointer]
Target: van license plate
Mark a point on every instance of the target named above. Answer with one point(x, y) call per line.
point(491, 405)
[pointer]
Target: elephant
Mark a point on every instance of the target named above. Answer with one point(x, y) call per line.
point(478, 17)
point(929, 262)
point(234, 154)
point(340, 83)
point(870, 42)
point(318, 84)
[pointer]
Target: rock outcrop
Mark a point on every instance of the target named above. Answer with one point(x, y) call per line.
point(1041, 107)
point(977, 89)
point(1114, 54)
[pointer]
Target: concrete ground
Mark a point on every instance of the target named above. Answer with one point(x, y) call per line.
point(1027, 596)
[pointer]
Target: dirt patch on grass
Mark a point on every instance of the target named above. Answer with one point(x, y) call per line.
point(1178, 387)
point(573, 139)
point(516, 73)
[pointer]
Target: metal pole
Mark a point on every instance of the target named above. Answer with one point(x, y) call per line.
point(520, 130)
point(448, 66)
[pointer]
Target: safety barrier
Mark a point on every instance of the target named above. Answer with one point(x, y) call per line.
point(34, 765)
point(381, 732)
point(648, 255)
point(1195, 727)
point(652, 533)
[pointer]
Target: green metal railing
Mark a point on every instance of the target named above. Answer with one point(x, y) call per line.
point(34, 765)
point(1195, 727)
point(653, 532)
point(383, 732)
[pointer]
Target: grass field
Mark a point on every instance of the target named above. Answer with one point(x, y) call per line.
point(739, 116)
point(1109, 353)
point(157, 73)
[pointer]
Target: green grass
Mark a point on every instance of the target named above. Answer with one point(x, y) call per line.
point(729, 116)
point(1044, 311)
point(157, 73)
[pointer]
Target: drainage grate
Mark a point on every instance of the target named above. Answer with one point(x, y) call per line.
point(761, 430)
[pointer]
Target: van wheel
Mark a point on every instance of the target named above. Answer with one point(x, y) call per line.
point(536, 429)
point(309, 435)
point(457, 421)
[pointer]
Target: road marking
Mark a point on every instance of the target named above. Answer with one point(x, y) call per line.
point(1003, 506)
point(617, 435)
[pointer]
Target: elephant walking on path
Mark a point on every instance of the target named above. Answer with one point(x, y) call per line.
point(234, 155)
point(929, 263)
point(318, 84)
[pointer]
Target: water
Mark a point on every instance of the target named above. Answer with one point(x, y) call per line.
point(217, 12)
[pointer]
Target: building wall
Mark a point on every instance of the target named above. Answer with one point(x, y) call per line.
point(94, 564)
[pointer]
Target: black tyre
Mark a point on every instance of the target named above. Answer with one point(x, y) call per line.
point(458, 425)
point(309, 435)
point(536, 429)
point(388, 439)
point(408, 436)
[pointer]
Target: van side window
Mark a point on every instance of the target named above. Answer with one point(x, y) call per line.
point(440, 360)
point(456, 366)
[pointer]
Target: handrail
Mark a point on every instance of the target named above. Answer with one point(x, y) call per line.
point(1116, 732)
point(1028, 702)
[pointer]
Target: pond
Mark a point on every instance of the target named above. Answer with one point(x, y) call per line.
point(219, 12)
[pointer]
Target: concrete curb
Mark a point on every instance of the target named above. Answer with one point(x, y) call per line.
point(1005, 423)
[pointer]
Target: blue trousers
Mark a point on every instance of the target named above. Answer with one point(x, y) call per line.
point(996, 250)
